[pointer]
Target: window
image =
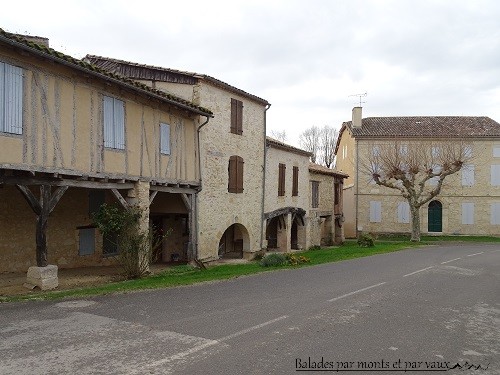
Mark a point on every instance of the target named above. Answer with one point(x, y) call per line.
point(436, 152)
point(315, 194)
point(114, 123)
point(496, 151)
point(375, 169)
point(495, 175)
point(110, 244)
point(403, 212)
point(468, 151)
point(495, 213)
point(434, 180)
point(295, 182)
point(467, 213)
point(375, 211)
point(86, 241)
point(376, 151)
point(344, 152)
point(235, 171)
point(467, 175)
point(11, 99)
point(165, 139)
point(236, 116)
point(281, 179)
point(403, 150)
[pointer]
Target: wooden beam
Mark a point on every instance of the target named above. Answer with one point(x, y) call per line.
point(120, 198)
point(12, 180)
point(175, 190)
point(30, 198)
point(152, 196)
point(56, 197)
point(186, 201)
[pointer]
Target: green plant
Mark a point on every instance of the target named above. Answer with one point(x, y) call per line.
point(135, 245)
point(365, 240)
point(274, 260)
point(315, 247)
point(295, 260)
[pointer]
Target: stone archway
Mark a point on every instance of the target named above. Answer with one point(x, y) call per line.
point(234, 242)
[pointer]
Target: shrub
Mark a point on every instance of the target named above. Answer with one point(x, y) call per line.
point(365, 240)
point(315, 247)
point(273, 260)
point(295, 260)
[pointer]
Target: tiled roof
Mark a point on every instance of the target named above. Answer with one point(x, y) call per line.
point(112, 64)
point(426, 127)
point(317, 168)
point(283, 146)
point(41, 50)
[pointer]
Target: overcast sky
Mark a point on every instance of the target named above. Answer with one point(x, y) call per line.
point(305, 57)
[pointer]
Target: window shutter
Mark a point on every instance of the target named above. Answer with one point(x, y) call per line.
point(86, 244)
point(236, 116)
point(295, 184)
point(232, 172)
point(467, 175)
point(467, 213)
point(119, 123)
point(13, 99)
point(165, 139)
point(495, 213)
point(315, 194)
point(375, 211)
point(2, 97)
point(403, 212)
point(239, 175)
point(495, 175)
point(109, 135)
point(496, 151)
point(281, 179)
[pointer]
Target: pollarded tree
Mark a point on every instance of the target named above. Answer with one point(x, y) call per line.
point(310, 140)
point(328, 141)
point(416, 169)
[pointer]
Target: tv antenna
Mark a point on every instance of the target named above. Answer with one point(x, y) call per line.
point(363, 95)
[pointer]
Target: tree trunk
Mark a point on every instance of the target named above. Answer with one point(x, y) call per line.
point(415, 224)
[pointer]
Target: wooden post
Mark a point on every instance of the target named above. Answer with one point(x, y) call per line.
point(42, 209)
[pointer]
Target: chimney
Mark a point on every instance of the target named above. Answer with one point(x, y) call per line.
point(356, 117)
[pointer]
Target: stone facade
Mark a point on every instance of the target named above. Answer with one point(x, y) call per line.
point(471, 208)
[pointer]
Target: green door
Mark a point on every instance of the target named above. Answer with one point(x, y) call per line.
point(435, 217)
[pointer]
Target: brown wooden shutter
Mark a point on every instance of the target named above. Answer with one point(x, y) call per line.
point(315, 194)
point(281, 179)
point(236, 116)
point(295, 185)
point(239, 175)
point(232, 172)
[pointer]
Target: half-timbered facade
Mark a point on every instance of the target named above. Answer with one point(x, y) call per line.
point(73, 136)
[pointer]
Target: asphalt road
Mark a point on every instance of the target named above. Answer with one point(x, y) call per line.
point(422, 310)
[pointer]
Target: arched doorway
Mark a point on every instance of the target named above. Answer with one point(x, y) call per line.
point(435, 217)
point(233, 242)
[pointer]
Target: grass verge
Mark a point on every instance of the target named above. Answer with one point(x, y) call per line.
point(187, 275)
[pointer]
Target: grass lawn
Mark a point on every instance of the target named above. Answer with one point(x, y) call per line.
point(187, 275)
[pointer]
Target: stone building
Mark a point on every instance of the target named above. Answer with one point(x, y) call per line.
point(469, 202)
point(303, 200)
point(73, 136)
point(230, 200)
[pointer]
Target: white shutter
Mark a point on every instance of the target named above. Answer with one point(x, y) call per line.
point(467, 213)
point(2, 97)
point(375, 211)
point(13, 99)
point(467, 175)
point(119, 123)
point(109, 134)
point(495, 213)
point(165, 139)
point(495, 175)
point(434, 180)
point(403, 212)
point(468, 151)
point(496, 151)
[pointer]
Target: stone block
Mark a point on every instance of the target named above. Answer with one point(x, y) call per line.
point(43, 277)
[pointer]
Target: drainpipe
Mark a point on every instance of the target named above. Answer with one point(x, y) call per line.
point(357, 184)
point(200, 188)
point(264, 179)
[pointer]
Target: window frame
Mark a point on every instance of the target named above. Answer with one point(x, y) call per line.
point(165, 147)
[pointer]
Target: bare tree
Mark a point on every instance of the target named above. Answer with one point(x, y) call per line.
point(327, 145)
point(417, 170)
point(279, 135)
point(309, 140)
